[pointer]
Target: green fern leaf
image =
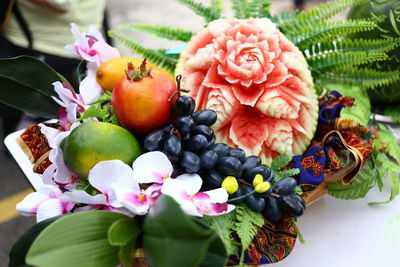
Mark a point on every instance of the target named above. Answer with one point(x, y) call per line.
point(348, 45)
point(217, 6)
point(259, 9)
point(240, 9)
point(362, 77)
point(317, 14)
point(280, 161)
point(323, 31)
point(208, 13)
point(285, 17)
point(152, 55)
point(335, 60)
point(359, 187)
point(385, 141)
point(161, 31)
point(286, 173)
point(246, 224)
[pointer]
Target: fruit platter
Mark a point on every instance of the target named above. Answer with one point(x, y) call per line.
point(207, 153)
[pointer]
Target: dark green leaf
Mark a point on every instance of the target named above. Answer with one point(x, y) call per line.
point(209, 14)
point(216, 254)
point(125, 253)
point(74, 239)
point(21, 247)
point(280, 162)
point(172, 238)
point(26, 84)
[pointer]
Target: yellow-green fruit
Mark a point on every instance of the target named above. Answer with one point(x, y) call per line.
point(94, 141)
point(230, 184)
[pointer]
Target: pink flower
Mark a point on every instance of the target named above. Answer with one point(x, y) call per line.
point(257, 81)
point(92, 48)
point(45, 203)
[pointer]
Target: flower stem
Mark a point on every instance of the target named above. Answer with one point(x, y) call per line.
point(241, 197)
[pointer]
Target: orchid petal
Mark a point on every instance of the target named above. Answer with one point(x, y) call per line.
point(190, 182)
point(49, 208)
point(89, 89)
point(29, 205)
point(80, 196)
point(219, 195)
point(152, 167)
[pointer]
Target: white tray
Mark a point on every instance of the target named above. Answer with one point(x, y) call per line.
point(339, 233)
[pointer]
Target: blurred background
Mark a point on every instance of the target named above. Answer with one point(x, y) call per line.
point(14, 185)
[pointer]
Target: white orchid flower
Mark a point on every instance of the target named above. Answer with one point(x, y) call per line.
point(185, 190)
point(45, 203)
point(152, 167)
point(92, 48)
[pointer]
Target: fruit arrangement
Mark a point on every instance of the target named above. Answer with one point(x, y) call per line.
point(150, 166)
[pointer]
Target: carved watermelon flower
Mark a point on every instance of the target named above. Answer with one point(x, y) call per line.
point(257, 81)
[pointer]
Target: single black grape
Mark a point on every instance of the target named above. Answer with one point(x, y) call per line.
point(154, 141)
point(272, 209)
point(184, 105)
point(285, 186)
point(237, 153)
point(253, 202)
point(213, 178)
point(293, 204)
point(220, 148)
point(264, 170)
point(211, 142)
point(172, 147)
point(206, 117)
point(250, 163)
point(203, 130)
point(183, 124)
point(228, 165)
point(196, 143)
point(190, 162)
point(208, 159)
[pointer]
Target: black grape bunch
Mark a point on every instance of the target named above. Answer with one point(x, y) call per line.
point(189, 143)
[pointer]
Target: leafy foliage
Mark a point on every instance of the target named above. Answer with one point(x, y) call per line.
point(359, 187)
point(101, 109)
point(217, 6)
point(161, 31)
point(278, 166)
point(259, 9)
point(209, 14)
point(393, 112)
point(246, 225)
point(385, 141)
point(240, 9)
point(153, 56)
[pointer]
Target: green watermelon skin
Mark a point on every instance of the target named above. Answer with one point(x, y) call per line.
point(390, 28)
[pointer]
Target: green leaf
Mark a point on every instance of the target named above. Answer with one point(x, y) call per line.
point(161, 31)
point(75, 238)
point(393, 112)
point(280, 161)
point(239, 8)
point(216, 254)
point(361, 109)
point(125, 253)
point(153, 56)
point(21, 247)
point(95, 111)
point(123, 231)
point(359, 187)
point(223, 225)
point(259, 9)
point(386, 141)
point(209, 14)
point(217, 6)
point(169, 232)
point(26, 84)
point(286, 173)
point(246, 224)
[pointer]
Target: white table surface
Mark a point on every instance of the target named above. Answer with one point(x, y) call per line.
point(338, 233)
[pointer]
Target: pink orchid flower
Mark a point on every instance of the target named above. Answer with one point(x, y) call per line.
point(185, 190)
point(45, 203)
point(92, 48)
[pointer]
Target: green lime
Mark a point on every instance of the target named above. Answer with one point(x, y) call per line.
point(93, 141)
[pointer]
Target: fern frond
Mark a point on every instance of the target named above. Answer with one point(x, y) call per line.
point(285, 17)
point(318, 13)
point(217, 6)
point(161, 31)
point(359, 187)
point(240, 9)
point(327, 31)
point(348, 45)
point(208, 13)
point(259, 9)
point(363, 77)
point(335, 60)
point(153, 56)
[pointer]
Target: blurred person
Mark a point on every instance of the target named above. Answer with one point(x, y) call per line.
point(41, 28)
